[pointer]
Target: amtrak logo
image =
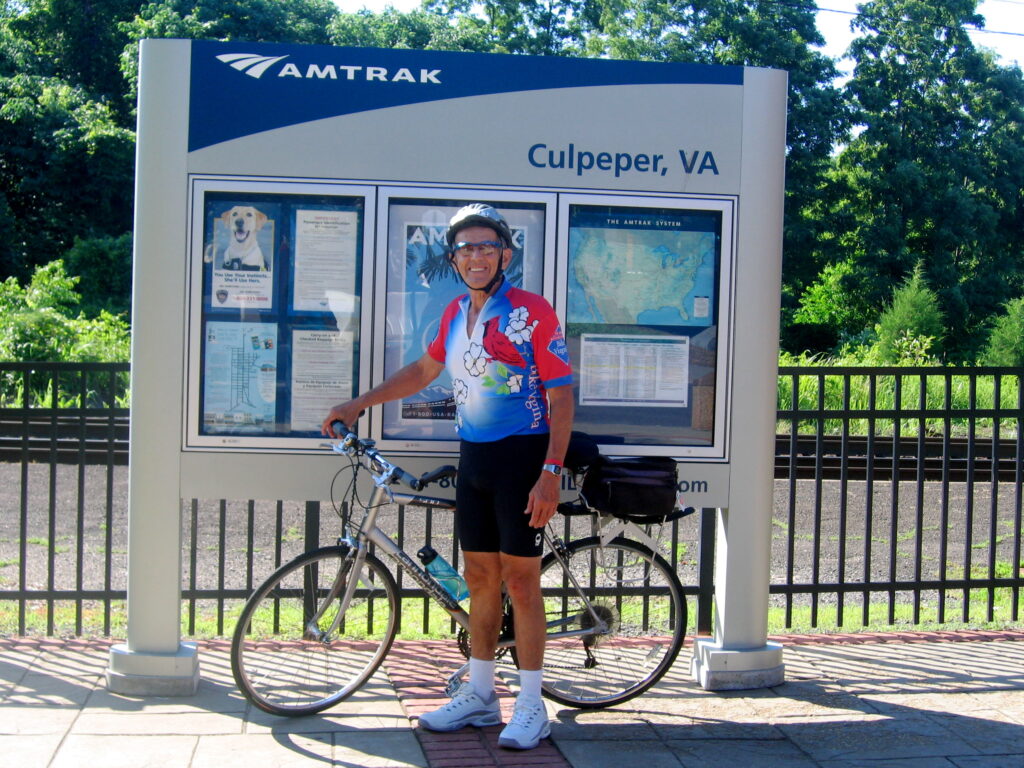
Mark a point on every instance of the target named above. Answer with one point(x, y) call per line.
point(255, 66)
point(252, 64)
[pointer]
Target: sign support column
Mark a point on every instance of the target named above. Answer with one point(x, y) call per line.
point(740, 656)
point(154, 661)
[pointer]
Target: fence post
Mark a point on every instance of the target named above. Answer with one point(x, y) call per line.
point(706, 571)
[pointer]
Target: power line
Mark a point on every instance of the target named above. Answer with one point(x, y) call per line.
point(980, 30)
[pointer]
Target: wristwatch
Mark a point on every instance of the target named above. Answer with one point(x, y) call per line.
point(554, 469)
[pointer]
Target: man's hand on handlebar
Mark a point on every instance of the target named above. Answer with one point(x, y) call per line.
point(347, 414)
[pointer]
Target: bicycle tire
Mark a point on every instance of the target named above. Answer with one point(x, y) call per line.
point(633, 588)
point(279, 667)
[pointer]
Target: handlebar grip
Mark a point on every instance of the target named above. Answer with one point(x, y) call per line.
point(412, 482)
point(438, 474)
point(344, 428)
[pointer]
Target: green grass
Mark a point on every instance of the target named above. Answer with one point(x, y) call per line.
point(878, 610)
point(829, 388)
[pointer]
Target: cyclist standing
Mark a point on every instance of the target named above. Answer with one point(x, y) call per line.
point(512, 380)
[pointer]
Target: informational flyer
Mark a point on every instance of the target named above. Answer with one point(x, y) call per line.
point(240, 378)
point(322, 365)
point(638, 371)
point(240, 245)
point(324, 260)
point(421, 283)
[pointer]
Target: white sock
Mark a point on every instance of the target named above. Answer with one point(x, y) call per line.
point(481, 677)
point(529, 685)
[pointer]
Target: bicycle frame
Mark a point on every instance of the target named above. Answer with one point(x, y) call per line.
point(368, 532)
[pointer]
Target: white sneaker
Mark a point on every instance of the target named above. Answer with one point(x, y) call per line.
point(529, 724)
point(465, 708)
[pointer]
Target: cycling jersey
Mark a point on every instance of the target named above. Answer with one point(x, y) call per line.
point(501, 372)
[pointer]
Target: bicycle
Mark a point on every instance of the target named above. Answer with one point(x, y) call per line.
point(321, 625)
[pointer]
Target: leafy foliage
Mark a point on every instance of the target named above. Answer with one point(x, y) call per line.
point(36, 322)
point(1006, 339)
point(910, 324)
point(929, 177)
point(917, 160)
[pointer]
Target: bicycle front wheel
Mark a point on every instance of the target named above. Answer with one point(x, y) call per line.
point(635, 596)
point(292, 654)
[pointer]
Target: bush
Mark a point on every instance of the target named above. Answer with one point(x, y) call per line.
point(910, 325)
point(1006, 340)
point(104, 268)
point(37, 324)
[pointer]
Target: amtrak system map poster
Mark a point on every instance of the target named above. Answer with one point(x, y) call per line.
point(642, 321)
point(421, 283)
point(280, 311)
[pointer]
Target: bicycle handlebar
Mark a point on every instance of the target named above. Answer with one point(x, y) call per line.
point(353, 446)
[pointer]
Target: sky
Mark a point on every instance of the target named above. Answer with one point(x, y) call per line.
point(834, 17)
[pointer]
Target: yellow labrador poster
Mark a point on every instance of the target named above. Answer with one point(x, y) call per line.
point(240, 245)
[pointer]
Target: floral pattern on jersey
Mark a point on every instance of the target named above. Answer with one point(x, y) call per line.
point(475, 359)
point(500, 346)
point(515, 383)
point(461, 391)
point(519, 329)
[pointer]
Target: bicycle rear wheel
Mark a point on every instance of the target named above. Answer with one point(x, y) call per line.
point(637, 595)
point(280, 656)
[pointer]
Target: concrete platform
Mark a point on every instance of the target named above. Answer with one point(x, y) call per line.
point(903, 700)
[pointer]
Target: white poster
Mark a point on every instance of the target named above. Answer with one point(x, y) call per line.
point(321, 375)
point(639, 371)
point(325, 260)
point(240, 378)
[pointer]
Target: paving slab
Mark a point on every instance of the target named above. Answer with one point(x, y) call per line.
point(263, 751)
point(748, 753)
point(105, 723)
point(875, 737)
point(137, 751)
point(910, 700)
point(22, 752)
point(612, 753)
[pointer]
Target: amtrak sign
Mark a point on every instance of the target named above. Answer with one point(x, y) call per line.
point(255, 65)
point(291, 203)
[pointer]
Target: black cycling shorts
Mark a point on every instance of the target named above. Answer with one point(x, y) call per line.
point(492, 491)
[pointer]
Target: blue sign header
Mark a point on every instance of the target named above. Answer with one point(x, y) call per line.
point(239, 88)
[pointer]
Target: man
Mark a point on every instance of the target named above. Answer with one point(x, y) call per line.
point(512, 381)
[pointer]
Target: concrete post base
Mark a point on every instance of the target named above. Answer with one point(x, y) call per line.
point(721, 669)
point(136, 673)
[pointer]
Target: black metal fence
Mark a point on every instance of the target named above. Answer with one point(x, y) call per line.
point(897, 501)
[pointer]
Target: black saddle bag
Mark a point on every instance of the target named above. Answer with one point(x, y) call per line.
point(641, 489)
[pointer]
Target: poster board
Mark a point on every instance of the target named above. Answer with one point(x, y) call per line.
point(320, 140)
point(276, 309)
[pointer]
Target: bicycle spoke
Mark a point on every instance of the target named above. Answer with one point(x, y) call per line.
point(285, 668)
point(637, 600)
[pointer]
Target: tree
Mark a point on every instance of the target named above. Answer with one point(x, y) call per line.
point(278, 21)
point(66, 170)
point(418, 29)
point(80, 43)
point(538, 27)
point(761, 33)
point(933, 176)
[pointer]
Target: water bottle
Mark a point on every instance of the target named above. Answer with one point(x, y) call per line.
point(442, 570)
